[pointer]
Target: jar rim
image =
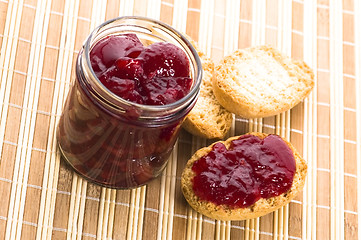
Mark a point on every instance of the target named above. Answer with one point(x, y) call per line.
point(179, 104)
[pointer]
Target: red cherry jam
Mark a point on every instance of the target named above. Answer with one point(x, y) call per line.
point(103, 134)
point(153, 75)
point(252, 168)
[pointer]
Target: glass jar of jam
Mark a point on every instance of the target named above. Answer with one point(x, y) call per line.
point(121, 142)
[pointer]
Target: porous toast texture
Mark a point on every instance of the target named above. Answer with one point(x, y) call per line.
point(208, 118)
point(259, 208)
point(260, 81)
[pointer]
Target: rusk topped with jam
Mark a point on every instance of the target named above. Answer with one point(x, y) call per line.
point(244, 177)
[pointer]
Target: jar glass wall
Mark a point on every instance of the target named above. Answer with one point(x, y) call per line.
point(114, 142)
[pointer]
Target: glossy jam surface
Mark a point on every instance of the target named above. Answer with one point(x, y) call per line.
point(250, 169)
point(154, 75)
point(116, 150)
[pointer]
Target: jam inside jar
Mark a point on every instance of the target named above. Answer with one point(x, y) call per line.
point(112, 141)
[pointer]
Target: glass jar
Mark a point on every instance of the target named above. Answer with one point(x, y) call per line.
point(114, 142)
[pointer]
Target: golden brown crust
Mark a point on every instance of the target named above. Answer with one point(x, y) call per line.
point(208, 119)
point(260, 208)
point(260, 81)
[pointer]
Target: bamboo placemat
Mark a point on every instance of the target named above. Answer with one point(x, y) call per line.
point(42, 198)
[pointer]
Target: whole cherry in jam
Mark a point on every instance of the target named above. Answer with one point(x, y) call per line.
point(164, 59)
point(154, 75)
point(252, 168)
point(109, 49)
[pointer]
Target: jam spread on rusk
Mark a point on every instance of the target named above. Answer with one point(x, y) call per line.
point(252, 168)
point(154, 75)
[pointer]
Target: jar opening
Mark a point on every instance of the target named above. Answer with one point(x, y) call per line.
point(148, 31)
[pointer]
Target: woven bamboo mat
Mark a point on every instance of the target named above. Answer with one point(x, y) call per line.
point(41, 198)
